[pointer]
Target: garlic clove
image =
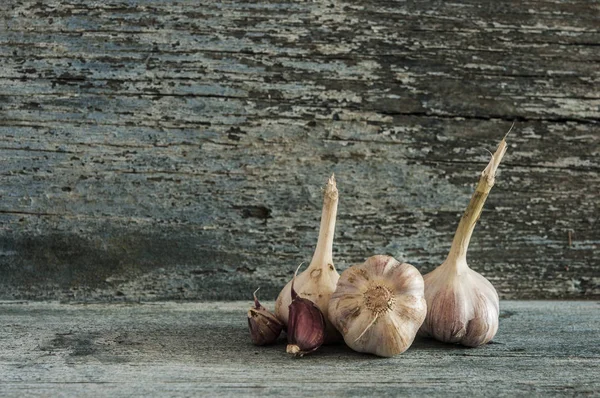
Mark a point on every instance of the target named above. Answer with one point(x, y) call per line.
point(306, 325)
point(379, 306)
point(264, 326)
point(318, 282)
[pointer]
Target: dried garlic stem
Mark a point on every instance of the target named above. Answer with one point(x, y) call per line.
point(324, 252)
point(460, 244)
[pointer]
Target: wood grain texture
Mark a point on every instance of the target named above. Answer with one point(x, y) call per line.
point(167, 349)
point(177, 149)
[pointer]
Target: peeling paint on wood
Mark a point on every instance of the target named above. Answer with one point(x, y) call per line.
point(176, 150)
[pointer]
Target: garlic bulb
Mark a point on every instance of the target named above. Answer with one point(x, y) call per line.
point(378, 306)
point(264, 327)
point(319, 280)
point(463, 306)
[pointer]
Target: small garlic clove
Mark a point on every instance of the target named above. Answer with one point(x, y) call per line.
point(306, 325)
point(264, 327)
point(378, 306)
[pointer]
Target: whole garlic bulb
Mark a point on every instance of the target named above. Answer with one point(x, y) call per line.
point(463, 306)
point(319, 280)
point(378, 306)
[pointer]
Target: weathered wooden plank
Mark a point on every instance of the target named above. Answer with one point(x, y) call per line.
point(156, 150)
point(50, 349)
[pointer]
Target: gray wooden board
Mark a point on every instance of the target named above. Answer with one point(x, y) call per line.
point(157, 149)
point(192, 349)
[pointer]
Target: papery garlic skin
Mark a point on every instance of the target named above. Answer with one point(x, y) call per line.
point(462, 308)
point(378, 306)
point(318, 282)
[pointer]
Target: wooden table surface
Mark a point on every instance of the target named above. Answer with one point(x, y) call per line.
point(549, 348)
point(176, 150)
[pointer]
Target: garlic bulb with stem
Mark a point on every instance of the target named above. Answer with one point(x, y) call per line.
point(378, 306)
point(463, 306)
point(319, 280)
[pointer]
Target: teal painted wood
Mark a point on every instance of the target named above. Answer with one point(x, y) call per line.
point(176, 150)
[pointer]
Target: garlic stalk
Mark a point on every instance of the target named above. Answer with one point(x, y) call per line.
point(463, 306)
point(263, 325)
point(319, 280)
point(378, 306)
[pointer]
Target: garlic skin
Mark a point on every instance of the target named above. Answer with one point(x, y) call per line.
point(263, 325)
point(464, 306)
point(318, 282)
point(378, 306)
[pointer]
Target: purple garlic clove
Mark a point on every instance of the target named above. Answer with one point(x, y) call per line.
point(306, 326)
point(264, 326)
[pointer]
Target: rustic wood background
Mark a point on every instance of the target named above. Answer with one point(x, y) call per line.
point(158, 149)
